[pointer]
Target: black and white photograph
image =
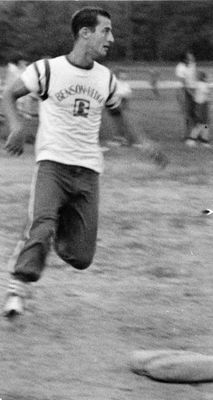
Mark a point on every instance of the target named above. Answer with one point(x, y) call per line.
point(106, 200)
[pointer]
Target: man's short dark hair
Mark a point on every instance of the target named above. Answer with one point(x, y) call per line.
point(87, 17)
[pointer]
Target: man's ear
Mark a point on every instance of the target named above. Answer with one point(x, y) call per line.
point(85, 32)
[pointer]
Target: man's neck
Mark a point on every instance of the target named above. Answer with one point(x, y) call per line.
point(80, 59)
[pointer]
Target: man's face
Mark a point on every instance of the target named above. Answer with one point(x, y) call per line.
point(101, 39)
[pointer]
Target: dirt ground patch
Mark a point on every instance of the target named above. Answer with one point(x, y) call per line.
point(150, 286)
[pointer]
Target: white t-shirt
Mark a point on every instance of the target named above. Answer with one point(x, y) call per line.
point(187, 73)
point(70, 118)
point(201, 92)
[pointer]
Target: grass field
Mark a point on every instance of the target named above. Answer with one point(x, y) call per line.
point(150, 286)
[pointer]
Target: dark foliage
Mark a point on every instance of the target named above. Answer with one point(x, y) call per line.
point(150, 31)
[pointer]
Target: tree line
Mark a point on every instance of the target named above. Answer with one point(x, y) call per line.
point(144, 30)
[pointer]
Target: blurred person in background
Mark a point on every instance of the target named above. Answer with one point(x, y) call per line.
point(124, 88)
point(186, 72)
point(64, 200)
point(200, 132)
point(15, 68)
point(154, 76)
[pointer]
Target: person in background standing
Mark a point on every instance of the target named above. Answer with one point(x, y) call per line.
point(186, 72)
point(154, 79)
point(15, 68)
point(200, 132)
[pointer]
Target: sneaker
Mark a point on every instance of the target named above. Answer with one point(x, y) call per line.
point(14, 304)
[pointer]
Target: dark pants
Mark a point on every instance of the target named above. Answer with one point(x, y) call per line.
point(65, 211)
point(190, 113)
point(202, 113)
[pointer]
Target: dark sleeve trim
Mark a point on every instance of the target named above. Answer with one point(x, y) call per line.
point(43, 94)
point(38, 75)
point(111, 93)
point(110, 80)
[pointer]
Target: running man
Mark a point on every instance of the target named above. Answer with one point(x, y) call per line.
point(73, 90)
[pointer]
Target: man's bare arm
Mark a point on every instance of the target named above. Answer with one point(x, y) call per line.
point(15, 141)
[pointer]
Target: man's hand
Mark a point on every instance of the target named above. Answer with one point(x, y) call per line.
point(15, 141)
